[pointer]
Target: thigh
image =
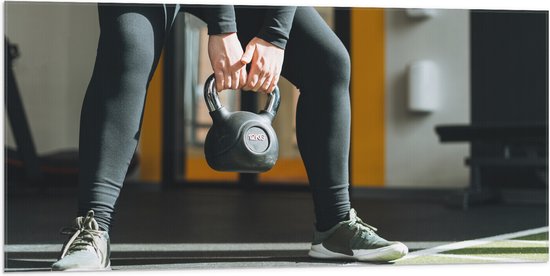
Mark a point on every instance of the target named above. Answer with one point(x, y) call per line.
point(250, 20)
point(132, 28)
point(313, 49)
point(313, 53)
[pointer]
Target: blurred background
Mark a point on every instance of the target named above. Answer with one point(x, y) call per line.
point(394, 143)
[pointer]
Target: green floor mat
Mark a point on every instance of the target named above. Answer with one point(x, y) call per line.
point(535, 237)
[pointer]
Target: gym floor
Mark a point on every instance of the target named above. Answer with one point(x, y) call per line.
point(201, 228)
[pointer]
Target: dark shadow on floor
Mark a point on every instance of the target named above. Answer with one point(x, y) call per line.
point(35, 262)
point(218, 215)
point(27, 265)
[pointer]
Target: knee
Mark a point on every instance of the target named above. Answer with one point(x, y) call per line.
point(337, 69)
point(137, 49)
point(129, 44)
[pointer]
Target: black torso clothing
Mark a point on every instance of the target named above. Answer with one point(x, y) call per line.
point(130, 43)
point(275, 27)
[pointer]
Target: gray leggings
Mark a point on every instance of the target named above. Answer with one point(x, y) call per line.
point(130, 43)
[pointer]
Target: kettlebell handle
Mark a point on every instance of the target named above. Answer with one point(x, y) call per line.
point(213, 101)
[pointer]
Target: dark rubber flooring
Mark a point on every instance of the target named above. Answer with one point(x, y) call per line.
point(149, 215)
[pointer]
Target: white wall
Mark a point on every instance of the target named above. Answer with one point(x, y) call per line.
point(57, 42)
point(414, 156)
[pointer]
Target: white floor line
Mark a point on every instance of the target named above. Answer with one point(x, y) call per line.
point(423, 244)
point(25, 269)
point(531, 242)
point(184, 247)
point(164, 247)
point(26, 248)
point(494, 259)
point(470, 243)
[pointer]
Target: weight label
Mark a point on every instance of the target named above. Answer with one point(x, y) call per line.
point(256, 139)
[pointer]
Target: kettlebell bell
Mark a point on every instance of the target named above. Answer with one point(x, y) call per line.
point(240, 141)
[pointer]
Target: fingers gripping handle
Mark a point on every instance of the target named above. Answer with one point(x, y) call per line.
point(213, 101)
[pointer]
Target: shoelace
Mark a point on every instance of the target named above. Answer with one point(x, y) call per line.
point(359, 224)
point(82, 236)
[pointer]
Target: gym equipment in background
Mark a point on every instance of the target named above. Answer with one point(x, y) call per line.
point(240, 141)
point(23, 165)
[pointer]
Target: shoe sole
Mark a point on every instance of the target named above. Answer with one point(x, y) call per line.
point(383, 254)
point(84, 269)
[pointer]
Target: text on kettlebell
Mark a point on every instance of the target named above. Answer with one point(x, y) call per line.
point(257, 137)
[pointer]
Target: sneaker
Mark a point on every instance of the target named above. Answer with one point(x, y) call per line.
point(87, 249)
point(355, 240)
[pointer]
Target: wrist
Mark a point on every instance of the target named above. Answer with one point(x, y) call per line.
point(273, 37)
point(268, 43)
point(223, 35)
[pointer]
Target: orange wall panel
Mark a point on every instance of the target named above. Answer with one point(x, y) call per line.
point(367, 97)
point(150, 145)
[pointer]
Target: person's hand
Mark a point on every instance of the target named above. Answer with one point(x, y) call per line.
point(225, 54)
point(267, 63)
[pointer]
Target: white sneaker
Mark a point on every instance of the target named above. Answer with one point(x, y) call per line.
point(87, 249)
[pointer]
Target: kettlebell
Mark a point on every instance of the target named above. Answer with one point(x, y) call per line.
point(240, 141)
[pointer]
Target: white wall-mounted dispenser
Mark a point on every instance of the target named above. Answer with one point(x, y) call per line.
point(423, 86)
point(420, 13)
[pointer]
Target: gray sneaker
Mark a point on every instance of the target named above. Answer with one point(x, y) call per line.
point(355, 240)
point(87, 249)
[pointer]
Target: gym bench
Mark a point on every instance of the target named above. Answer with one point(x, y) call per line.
point(511, 146)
